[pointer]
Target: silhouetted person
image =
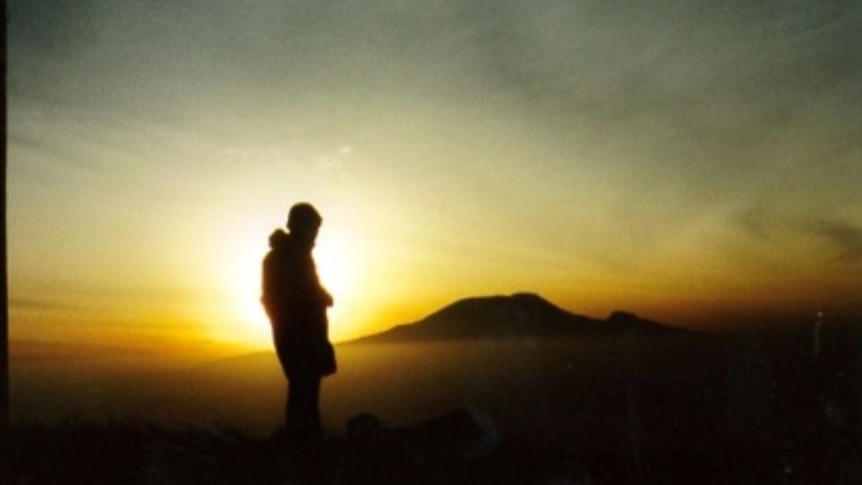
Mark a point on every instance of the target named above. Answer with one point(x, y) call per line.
point(296, 304)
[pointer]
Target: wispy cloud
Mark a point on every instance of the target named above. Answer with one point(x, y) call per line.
point(37, 304)
point(757, 222)
point(771, 226)
point(846, 237)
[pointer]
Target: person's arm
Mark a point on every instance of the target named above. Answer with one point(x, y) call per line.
point(269, 290)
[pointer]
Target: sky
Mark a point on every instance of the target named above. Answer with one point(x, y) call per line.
point(695, 162)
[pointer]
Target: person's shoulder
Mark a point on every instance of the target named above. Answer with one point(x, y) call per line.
point(278, 239)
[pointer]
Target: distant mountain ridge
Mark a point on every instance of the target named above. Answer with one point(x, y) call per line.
point(516, 315)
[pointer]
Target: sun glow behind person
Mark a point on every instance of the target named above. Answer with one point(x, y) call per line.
point(239, 277)
point(340, 268)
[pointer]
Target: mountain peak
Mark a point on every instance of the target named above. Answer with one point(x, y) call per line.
point(519, 307)
point(519, 315)
point(621, 316)
point(488, 317)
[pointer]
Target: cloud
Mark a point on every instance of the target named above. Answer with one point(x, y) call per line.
point(37, 305)
point(846, 237)
point(757, 222)
point(775, 227)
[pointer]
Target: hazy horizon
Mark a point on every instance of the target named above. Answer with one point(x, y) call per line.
point(99, 381)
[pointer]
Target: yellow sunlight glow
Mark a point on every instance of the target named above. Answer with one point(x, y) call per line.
point(243, 286)
point(337, 270)
point(247, 322)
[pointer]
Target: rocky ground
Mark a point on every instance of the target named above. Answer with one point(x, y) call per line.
point(461, 447)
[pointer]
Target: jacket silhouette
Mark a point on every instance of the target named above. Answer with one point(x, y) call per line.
point(296, 304)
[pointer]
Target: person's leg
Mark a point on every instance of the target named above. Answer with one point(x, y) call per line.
point(293, 417)
point(302, 411)
point(315, 423)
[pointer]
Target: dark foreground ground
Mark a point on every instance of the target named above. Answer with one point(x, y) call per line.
point(458, 448)
point(747, 409)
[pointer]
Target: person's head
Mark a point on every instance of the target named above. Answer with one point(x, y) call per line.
point(303, 221)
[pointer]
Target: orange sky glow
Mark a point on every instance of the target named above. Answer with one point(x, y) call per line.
point(697, 165)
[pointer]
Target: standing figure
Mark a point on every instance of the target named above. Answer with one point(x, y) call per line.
point(296, 304)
